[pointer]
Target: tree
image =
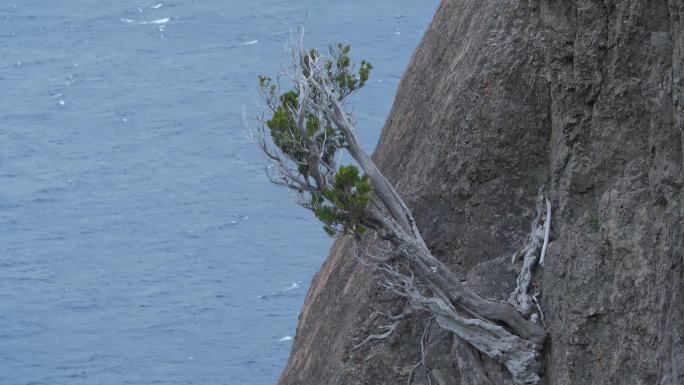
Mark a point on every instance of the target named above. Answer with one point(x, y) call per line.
point(305, 131)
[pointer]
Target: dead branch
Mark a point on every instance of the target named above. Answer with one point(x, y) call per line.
point(306, 158)
point(389, 329)
point(547, 232)
point(423, 354)
point(538, 238)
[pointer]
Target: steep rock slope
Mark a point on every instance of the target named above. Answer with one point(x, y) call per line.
point(584, 97)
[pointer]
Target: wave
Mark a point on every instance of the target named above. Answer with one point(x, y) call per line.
point(284, 292)
point(157, 21)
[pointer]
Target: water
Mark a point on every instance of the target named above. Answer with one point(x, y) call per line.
point(139, 240)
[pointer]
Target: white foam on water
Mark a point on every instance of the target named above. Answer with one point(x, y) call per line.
point(158, 21)
point(157, 6)
point(250, 42)
point(294, 285)
point(129, 21)
point(285, 339)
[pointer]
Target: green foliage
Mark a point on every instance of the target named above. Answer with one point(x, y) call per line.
point(341, 71)
point(283, 126)
point(341, 207)
point(343, 81)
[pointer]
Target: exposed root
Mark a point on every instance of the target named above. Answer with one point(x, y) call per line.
point(538, 238)
point(423, 354)
point(540, 312)
point(389, 329)
point(410, 376)
point(306, 160)
point(547, 231)
point(520, 356)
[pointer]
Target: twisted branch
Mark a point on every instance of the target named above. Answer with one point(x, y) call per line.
point(307, 163)
point(539, 237)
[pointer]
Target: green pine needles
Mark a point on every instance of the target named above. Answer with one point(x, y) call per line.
point(341, 71)
point(336, 194)
point(341, 207)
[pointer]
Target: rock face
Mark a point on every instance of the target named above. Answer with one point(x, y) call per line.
point(584, 97)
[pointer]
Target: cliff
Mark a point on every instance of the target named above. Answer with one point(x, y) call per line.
point(500, 97)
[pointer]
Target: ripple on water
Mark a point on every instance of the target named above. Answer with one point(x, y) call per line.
point(168, 259)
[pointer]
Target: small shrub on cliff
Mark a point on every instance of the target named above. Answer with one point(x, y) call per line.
point(297, 130)
point(304, 133)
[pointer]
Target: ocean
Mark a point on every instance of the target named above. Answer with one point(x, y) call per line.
point(140, 241)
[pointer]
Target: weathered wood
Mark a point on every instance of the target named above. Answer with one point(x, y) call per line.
point(495, 328)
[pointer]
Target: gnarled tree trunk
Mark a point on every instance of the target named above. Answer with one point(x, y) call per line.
point(500, 97)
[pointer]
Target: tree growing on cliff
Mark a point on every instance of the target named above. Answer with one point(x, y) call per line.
point(305, 130)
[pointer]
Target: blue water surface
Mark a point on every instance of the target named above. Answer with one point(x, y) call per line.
point(140, 242)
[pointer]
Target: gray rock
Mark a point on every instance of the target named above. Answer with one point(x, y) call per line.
point(500, 98)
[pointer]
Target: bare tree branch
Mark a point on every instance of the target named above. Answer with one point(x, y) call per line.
point(547, 231)
point(389, 329)
point(311, 130)
point(538, 238)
